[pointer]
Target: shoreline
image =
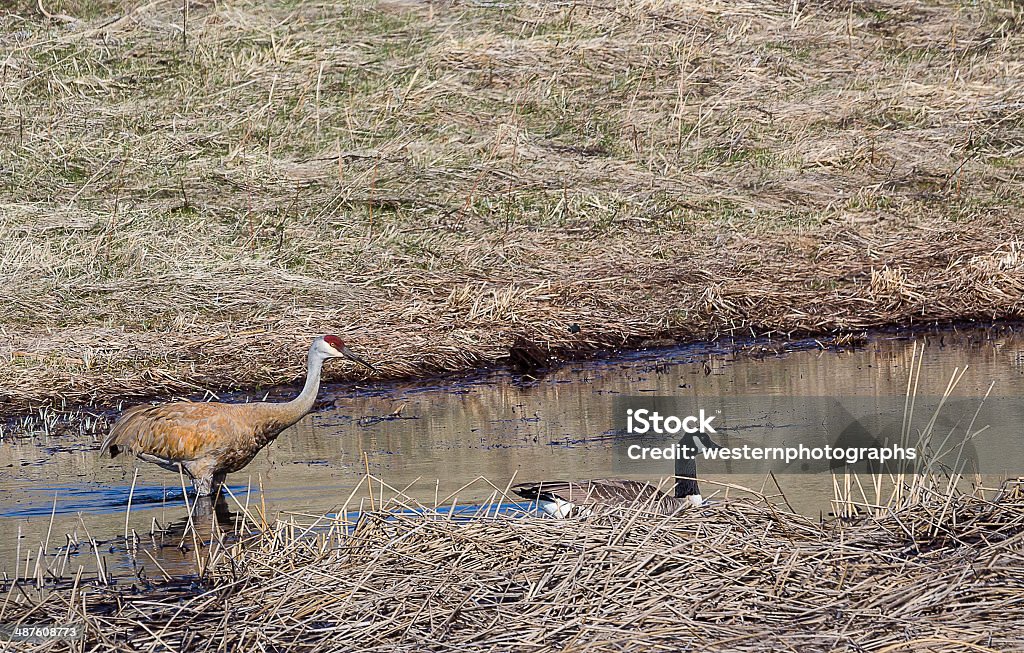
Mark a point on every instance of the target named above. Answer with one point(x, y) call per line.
point(334, 381)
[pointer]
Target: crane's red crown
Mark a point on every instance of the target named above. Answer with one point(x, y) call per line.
point(335, 342)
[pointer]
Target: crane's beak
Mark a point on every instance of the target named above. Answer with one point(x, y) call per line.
point(352, 357)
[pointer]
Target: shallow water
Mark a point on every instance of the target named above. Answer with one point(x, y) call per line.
point(453, 431)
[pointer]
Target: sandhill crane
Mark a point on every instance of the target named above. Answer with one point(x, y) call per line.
point(208, 441)
point(576, 498)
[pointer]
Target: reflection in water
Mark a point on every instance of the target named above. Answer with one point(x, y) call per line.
point(447, 433)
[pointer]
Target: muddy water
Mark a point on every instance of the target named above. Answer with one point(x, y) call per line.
point(451, 432)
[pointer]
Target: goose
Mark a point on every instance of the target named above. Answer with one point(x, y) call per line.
point(561, 499)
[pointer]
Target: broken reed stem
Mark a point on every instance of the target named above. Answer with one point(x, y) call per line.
point(369, 484)
point(128, 510)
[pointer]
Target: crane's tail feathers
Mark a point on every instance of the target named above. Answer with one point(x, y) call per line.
point(110, 445)
point(124, 431)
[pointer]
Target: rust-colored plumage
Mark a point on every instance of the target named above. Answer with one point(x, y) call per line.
point(208, 441)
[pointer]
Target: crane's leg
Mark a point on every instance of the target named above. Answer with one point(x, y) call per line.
point(202, 485)
point(216, 486)
point(204, 476)
point(220, 503)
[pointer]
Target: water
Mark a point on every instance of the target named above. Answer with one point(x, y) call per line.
point(451, 432)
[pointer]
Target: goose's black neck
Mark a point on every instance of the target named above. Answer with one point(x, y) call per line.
point(686, 474)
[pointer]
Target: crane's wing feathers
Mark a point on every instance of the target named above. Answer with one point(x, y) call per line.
point(181, 431)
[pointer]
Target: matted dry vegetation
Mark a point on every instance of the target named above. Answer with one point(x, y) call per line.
point(188, 197)
point(940, 572)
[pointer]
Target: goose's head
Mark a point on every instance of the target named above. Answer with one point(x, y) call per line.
point(699, 442)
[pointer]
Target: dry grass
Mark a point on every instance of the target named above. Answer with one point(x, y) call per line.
point(187, 200)
point(940, 574)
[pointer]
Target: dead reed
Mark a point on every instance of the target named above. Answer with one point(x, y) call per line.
point(192, 190)
point(941, 574)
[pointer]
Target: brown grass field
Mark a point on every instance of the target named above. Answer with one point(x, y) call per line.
point(192, 190)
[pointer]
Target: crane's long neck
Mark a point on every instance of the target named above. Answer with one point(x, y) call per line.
point(686, 475)
point(292, 411)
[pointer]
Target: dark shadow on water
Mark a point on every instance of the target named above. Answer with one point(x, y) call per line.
point(203, 513)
